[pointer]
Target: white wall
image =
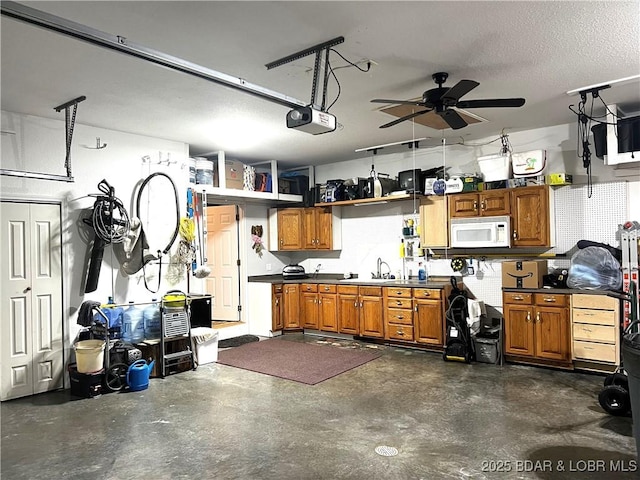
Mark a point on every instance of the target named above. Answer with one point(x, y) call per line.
point(38, 145)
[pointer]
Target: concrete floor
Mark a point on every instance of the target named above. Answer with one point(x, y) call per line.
point(447, 420)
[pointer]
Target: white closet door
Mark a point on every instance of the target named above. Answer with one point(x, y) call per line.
point(31, 308)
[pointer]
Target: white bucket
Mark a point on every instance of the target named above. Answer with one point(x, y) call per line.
point(89, 355)
point(495, 167)
point(192, 170)
point(204, 171)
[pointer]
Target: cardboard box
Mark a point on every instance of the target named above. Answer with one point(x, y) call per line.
point(234, 171)
point(560, 179)
point(524, 274)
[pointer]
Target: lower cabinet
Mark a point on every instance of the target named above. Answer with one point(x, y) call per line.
point(429, 325)
point(309, 305)
point(595, 322)
point(277, 308)
point(398, 314)
point(291, 298)
point(537, 327)
point(328, 308)
point(370, 304)
point(348, 310)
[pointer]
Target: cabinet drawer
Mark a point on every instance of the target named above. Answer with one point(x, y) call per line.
point(400, 332)
point(327, 288)
point(309, 287)
point(597, 302)
point(601, 317)
point(551, 299)
point(348, 289)
point(427, 293)
point(371, 291)
point(595, 351)
point(398, 292)
point(399, 303)
point(397, 315)
point(519, 298)
point(594, 333)
point(277, 288)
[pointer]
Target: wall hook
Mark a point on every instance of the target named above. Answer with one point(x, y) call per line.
point(98, 146)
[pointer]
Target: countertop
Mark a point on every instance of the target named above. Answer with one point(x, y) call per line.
point(332, 279)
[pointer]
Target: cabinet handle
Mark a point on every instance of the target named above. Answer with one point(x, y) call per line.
point(398, 293)
point(399, 332)
point(399, 303)
point(326, 289)
point(518, 297)
point(277, 301)
point(483, 205)
point(538, 318)
point(281, 241)
point(588, 348)
point(416, 308)
point(549, 299)
point(399, 317)
point(586, 329)
point(528, 319)
point(475, 205)
point(355, 304)
point(320, 301)
point(515, 235)
point(360, 304)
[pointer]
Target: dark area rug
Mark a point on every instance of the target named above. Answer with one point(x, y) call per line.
point(297, 361)
point(237, 341)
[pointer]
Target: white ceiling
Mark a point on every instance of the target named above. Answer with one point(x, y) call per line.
point(535, 50)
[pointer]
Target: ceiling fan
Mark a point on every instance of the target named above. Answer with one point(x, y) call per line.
point(441, 99)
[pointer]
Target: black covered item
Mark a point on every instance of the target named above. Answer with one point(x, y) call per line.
point(459, 345)
point(631, 361)
point(237, 341)
point(85, 314)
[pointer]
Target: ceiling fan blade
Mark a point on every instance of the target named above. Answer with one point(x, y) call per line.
point(491, 103)
point(402, 119)
point(454, 120)
point(460, 89)
point(398, 102)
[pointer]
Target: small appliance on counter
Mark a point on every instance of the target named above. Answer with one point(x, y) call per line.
point(293, 272)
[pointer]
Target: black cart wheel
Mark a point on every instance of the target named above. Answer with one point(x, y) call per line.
point(614, 399)
point(617, 379)
point(116, 377)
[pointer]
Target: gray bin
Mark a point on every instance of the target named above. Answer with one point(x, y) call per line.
point(486, 349)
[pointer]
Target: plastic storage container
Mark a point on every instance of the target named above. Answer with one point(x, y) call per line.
point(133, 324)
point(205, 345)
point(204, 171)
point(631, 362)
point(152, 322)
point(89, 355)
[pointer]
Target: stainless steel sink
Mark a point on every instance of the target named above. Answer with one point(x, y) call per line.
point(366, 280)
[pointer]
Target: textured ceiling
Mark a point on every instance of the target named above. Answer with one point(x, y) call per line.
point(535, 50)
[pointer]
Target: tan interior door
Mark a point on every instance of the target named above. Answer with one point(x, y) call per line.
point(31, 300)
point(222, 259)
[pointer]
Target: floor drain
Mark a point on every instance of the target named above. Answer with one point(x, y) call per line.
point(386, 451)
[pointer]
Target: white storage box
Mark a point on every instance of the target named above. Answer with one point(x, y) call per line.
point(495, 167)
point(205, 345)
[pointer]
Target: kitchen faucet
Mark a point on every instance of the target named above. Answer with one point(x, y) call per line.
point(379, 274)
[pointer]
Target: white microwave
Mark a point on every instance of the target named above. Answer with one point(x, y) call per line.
point(481, 232)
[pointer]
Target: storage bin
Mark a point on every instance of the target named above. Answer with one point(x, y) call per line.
point(205, 345)
point(495, 167)
point(486, 350)
point(85, 385)
point(89, 355)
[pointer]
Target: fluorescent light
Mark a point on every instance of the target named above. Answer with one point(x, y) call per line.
point(612, 82)
point(381, 202)
point(375, 147)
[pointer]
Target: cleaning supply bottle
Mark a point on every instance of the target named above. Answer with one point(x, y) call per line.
point(402, 248)
point(422, 272)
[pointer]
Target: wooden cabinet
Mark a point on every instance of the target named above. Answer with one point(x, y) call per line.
point(277, 308)
point(290, 229)
point(428, 318)
point(537, 327)
point(595, 324)
point(348, 310)
point(398, 314)
point(328, 308)
point(317, 228)
point(531, 217)
point(314, 228)
point(434, 221)
point(371, 320)
point(309, 305)
point(480, 204)
point(291, 298)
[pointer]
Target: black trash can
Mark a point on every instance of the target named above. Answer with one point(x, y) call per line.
point(631, 363)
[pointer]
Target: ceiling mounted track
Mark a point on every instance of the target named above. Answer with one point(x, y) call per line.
point(121, 44)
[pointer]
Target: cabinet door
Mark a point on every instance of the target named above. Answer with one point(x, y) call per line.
point(309, 313)
point(434, 221)
point(290, 229)
point(464, 205)
point(530, 219)
point(371, 320)
point(291, 306)
point(328, 312)
point(494, 203)
point(518, 330)
point(309, 237)
point(428, 322)
point(552, 333)
point(324, 232)
point(277, 313)
point(348, 314)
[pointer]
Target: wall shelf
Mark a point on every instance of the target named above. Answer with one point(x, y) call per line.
point(371, 201)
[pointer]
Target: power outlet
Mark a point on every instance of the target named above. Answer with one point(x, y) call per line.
point(268, 267)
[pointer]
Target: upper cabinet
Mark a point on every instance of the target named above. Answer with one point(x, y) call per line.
point(531, 223)
point(480, 204)
point(434, 221)
point(314, 228)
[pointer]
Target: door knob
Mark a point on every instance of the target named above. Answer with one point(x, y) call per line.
point(28, 289)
